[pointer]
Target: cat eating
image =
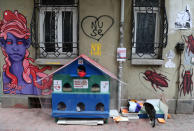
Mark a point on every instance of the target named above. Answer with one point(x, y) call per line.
point(151, 112)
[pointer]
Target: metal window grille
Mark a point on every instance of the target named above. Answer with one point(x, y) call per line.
point(54, 28)
point(149, 28)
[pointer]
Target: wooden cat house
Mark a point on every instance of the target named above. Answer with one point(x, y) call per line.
point(81, 90)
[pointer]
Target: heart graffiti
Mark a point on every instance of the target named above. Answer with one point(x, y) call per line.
point(96, 27)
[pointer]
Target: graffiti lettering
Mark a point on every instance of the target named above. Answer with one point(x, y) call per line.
point(96, 27)
point(96, 49)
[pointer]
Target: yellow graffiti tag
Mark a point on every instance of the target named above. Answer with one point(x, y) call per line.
point(96, 49)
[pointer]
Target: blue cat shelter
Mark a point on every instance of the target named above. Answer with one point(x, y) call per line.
point(81, 90)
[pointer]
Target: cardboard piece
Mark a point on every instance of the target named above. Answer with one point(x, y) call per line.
point(164, 109)
point(164, 106)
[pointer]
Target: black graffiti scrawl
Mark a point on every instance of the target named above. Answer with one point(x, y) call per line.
point(96, 27)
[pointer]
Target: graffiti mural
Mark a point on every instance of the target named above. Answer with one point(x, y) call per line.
point(157, 80)
point(190, 43)
point(96, 27)
point(189, 52)
point(186, 85)
point(20, 76)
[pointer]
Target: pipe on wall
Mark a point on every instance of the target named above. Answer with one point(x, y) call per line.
point(121, 45)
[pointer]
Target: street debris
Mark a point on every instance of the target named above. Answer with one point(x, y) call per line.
point(161, 120)
point(136, 110)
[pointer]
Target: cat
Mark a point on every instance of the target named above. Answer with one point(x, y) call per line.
point(151, 112)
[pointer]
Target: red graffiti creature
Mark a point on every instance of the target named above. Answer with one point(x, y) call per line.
point(186, 85)
point(190, 43)
point(157, 80)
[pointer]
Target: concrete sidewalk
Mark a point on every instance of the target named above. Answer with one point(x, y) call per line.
point(12, 119)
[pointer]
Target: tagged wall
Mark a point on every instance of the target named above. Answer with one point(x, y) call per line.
point(101, 43)
point(139, 86)
point(99, 23)
point(185, 8)
point(104, 29)
point(104, 15)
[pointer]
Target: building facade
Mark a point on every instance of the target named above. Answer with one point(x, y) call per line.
point(157, 36)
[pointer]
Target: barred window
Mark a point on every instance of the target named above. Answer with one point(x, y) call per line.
point(150, 29)
point(57, 28)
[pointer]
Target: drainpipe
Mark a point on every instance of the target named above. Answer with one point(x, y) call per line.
point(120, 66)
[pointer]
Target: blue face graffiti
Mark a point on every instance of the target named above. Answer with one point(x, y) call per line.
point(16, 47)
point(19, 75)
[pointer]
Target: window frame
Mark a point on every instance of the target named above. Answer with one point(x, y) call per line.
point(142, 59)
point(137, 10)
point(58, 31)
